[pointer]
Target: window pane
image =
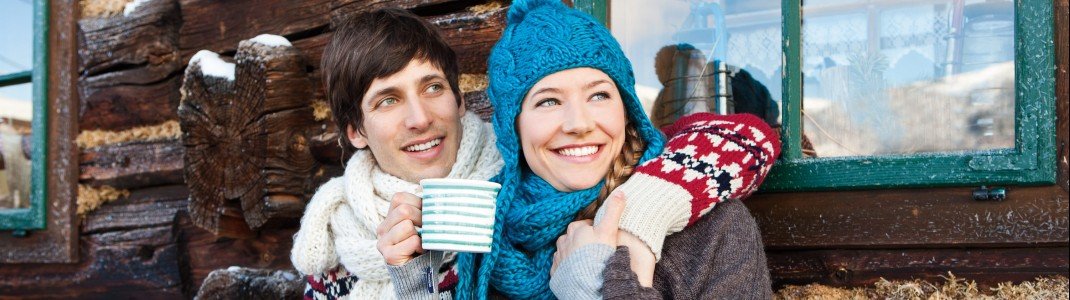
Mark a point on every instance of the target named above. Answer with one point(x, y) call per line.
point(16, 28)
point(693, 55)
point(15, 118)
point(904, 77)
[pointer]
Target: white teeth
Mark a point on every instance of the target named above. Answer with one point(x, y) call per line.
point(424, 146)
point(579, 151)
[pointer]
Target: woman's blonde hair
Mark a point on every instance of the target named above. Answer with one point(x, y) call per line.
point(619, 171)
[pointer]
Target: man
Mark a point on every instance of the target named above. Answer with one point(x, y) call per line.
point(391, 82)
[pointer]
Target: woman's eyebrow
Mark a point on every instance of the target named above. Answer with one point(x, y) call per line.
point(595, 83)
point(545, 90)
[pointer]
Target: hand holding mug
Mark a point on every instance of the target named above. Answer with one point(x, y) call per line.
point(398, 239)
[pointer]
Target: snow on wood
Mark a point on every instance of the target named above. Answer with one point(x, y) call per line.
point(132, 6)
point(212, 65)
point(271, 40)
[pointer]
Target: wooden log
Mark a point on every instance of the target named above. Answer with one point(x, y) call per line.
point(206, 251)
point(146, 37)
point(133, 165)
point(245, 283)
point(129, 67)
point(246, 137)
point(219, 25)
point(987, 266)
point(155, 206)
point(127, 106)
point(479, 103)
point(129, 263)
point(472, 35)
point(911, 218)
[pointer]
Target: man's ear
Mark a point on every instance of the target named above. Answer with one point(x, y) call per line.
point(356, 138)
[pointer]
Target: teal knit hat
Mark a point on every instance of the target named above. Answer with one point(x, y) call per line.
point(544, 37)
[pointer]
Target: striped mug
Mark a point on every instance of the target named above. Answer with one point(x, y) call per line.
point(458, 214)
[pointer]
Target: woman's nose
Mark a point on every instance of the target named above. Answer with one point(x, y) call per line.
point(578, 119)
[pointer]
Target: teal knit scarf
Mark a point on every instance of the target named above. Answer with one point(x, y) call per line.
point(519, 263)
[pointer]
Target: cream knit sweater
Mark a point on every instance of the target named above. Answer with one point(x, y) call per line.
point(338, 226)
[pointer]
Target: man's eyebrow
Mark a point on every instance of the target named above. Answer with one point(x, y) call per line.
point(431, 77)
point(383, 91)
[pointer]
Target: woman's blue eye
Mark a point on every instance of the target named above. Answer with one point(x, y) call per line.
point(600, 96)
point(547, 102)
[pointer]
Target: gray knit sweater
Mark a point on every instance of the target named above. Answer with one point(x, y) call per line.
point(719, 257)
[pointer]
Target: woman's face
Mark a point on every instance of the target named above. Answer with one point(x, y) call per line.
point(571, 128)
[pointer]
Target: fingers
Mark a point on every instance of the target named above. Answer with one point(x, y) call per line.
point(399, 233)
point(402, 212)
point(610, 222)
point(399, 244)
point(403, 198)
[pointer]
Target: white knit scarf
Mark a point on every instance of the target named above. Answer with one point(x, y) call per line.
point(339, 222)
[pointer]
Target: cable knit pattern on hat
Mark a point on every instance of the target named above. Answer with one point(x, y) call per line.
point(338, 227)
point(542, 38)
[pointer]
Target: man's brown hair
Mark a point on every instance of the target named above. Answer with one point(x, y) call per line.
point(374, 45)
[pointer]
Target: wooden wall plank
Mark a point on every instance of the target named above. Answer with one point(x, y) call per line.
point(914, 217)
point(472, 35)
point(121, 107)
point(133, 165)
point(864, 267)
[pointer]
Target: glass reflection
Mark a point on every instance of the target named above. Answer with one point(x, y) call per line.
point(695, 56)
point(15, 119)
point(903, 77)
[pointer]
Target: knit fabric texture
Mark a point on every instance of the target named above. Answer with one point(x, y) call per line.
point(720, 256)
point(542, 37)
point(708, 159)
point(337, 233)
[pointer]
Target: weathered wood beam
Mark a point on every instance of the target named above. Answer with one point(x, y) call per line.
point(147, 37)
point(246, 135)
point(206, 251)
point(911, 217)
point(129, 67)
point(121, 107)
point(148, 207)
point(133, 165)
point(987, 266)
point(472, 35)
point(128, 263)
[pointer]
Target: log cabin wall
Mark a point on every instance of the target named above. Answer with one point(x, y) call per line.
point(141, 239)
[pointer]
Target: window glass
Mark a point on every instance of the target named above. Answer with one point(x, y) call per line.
point(16, 106)
point(695, 55)
point(907, 77)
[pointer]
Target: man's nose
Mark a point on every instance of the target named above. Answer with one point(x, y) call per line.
point(418, 117)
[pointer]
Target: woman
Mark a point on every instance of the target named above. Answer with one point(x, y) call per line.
point(564, 101)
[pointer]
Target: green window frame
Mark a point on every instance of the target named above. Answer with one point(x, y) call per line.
point(1030, 162)
point(32, 218)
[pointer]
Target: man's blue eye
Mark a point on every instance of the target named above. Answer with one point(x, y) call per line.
point(388, 102)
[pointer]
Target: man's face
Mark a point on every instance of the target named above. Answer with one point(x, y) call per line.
point(412, 123)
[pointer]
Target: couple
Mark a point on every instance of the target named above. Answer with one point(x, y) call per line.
point(569, 143)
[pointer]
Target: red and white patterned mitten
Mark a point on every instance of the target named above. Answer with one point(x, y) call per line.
point(708, 159)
